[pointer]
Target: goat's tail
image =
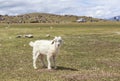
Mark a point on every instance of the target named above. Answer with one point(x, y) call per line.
point(31, 44)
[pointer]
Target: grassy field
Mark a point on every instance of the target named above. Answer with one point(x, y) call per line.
point(91, 52)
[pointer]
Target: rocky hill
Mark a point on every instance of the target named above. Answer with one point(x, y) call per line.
point(45, 18)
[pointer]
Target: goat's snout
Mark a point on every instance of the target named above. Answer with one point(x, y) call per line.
point(58, 44)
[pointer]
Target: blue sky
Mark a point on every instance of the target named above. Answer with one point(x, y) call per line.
point(94, 8)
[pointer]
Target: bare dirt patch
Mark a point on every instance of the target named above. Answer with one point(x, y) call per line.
point(89, 76)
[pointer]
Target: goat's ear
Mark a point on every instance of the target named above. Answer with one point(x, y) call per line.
point(52, 42)
point(60, 37)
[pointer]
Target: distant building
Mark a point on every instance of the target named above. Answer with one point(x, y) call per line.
point(81, 20)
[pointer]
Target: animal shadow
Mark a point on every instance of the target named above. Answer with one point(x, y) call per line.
point(65, 68)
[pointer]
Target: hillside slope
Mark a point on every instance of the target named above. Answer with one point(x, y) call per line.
point(44, 18)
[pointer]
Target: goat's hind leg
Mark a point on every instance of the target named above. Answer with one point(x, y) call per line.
point(35, 56)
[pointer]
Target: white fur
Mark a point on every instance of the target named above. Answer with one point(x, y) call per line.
point(49, 48)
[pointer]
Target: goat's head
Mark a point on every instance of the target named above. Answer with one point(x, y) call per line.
point(57, 41)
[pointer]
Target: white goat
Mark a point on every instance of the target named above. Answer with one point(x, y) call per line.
point(49, 48)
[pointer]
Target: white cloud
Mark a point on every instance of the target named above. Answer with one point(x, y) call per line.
point(95, 8)
point(105, 9)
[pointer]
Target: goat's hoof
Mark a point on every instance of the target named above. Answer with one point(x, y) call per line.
point(35, 68)
point(49, 68)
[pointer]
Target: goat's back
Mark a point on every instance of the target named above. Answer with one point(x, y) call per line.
point(43, 46)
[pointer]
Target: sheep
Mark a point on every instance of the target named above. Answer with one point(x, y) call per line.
point(50, 48)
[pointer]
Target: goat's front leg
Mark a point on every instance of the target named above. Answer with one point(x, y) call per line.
point(48, 59)
point(54, 61)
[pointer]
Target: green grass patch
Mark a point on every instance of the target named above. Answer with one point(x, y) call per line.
point(91, 52)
